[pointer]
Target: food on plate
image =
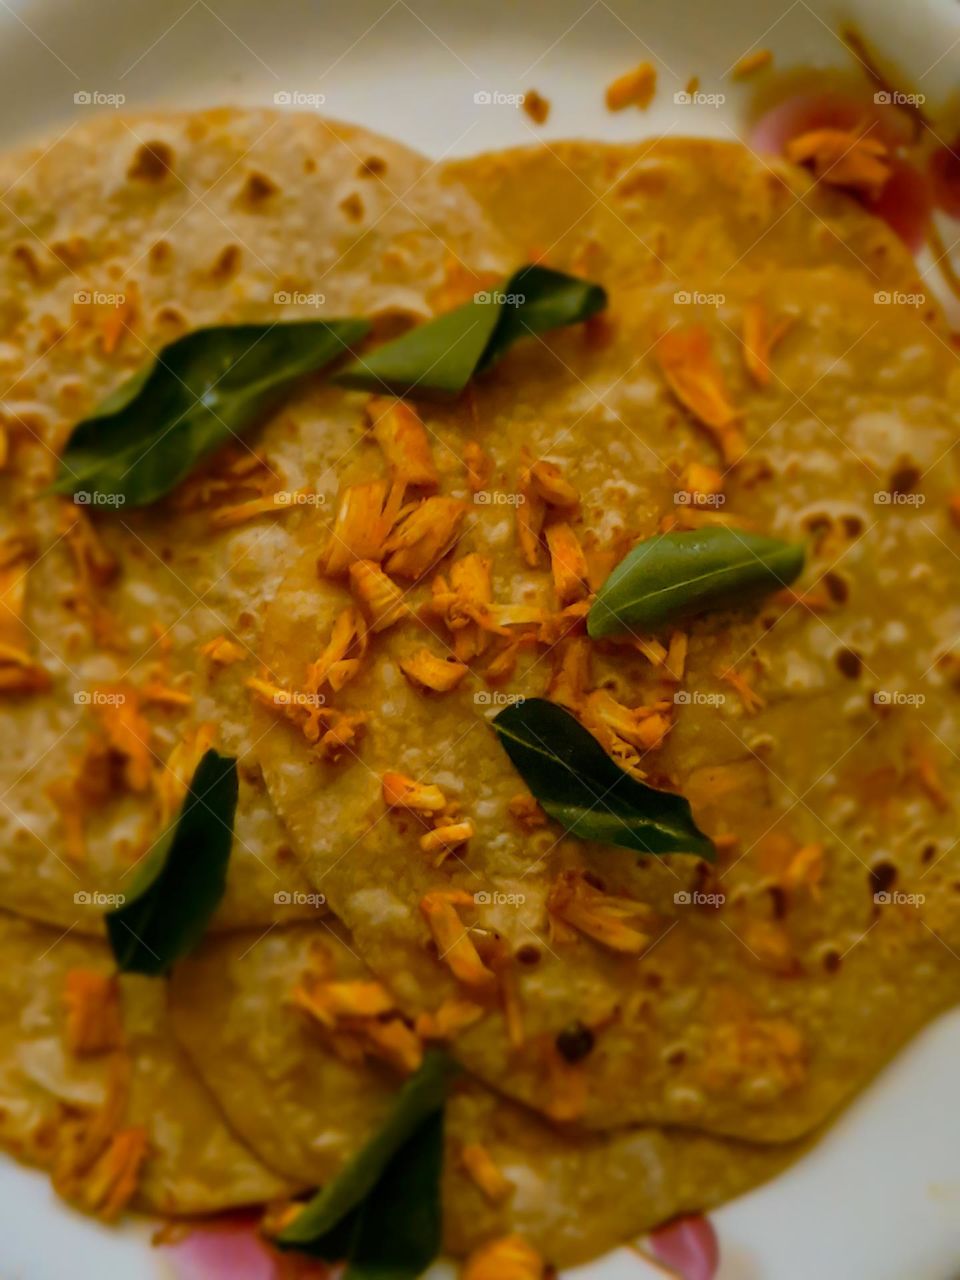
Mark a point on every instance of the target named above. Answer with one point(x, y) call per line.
point(730, 997)
point(478, 656)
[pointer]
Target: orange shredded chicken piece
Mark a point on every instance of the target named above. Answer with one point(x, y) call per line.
point(464, 604)
point(526, 812)
point(567, 563)
point(448, 1020)
point(843, 158)
point(686, 360)
point(427, 671)
point(93, 1018)
point(401, 792)
point(127, 733)
point(574, 904)
point(752, 701)
point(330, 1001)
point(365, 515)
point(422, 535)
point(624, 731)
point(676, 660)
point(805, 869)
point(760, 335)
point(454, 944)
point(222, 651)
point(530, 511)
point(400, 433)
point(448, 836)
point(381, 598)
point(362, 1018)
point(572, 674)
point(343, 654)
point(954, 509)
point(548, 481)
point(568, 621)
point(536, 106)
point(171, 782)
point(19, 673)
point(751, 63)
point(112, 1182)
point(633, 89)
point(482, 1168)
point(509, 1258)
point(700, 480)
point(228, 517)
point(479, 466)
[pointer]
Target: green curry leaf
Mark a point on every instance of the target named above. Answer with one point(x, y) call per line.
point(442, 355)
point(382, 1212)
point(675, 575)
point(201, 391)
point(182, 878)
point(580, 787)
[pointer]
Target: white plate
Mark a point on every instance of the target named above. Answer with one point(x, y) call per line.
point(879, 1198)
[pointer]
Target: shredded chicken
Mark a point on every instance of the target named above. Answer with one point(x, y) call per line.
point(619, 924)
point(400, 433)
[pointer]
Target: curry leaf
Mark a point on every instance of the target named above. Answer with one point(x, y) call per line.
point(442, 355)
point(202, 390)
point(583, 789)
point(674, 575)
point(382, 1212)
point(182, 878)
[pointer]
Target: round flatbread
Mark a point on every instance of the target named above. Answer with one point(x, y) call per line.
point(94, 1088)
point(128, 635)
point(298, 1094)
point(810, 731)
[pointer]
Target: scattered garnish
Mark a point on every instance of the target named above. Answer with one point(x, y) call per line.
point(676, 575)
point(633, 89)
point(182, 878)
point(686, 360)
point(751, 63)
point(202, 390)
point(580, 787)
point(382, 1212)
point(536, 106)
point(441, 356)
